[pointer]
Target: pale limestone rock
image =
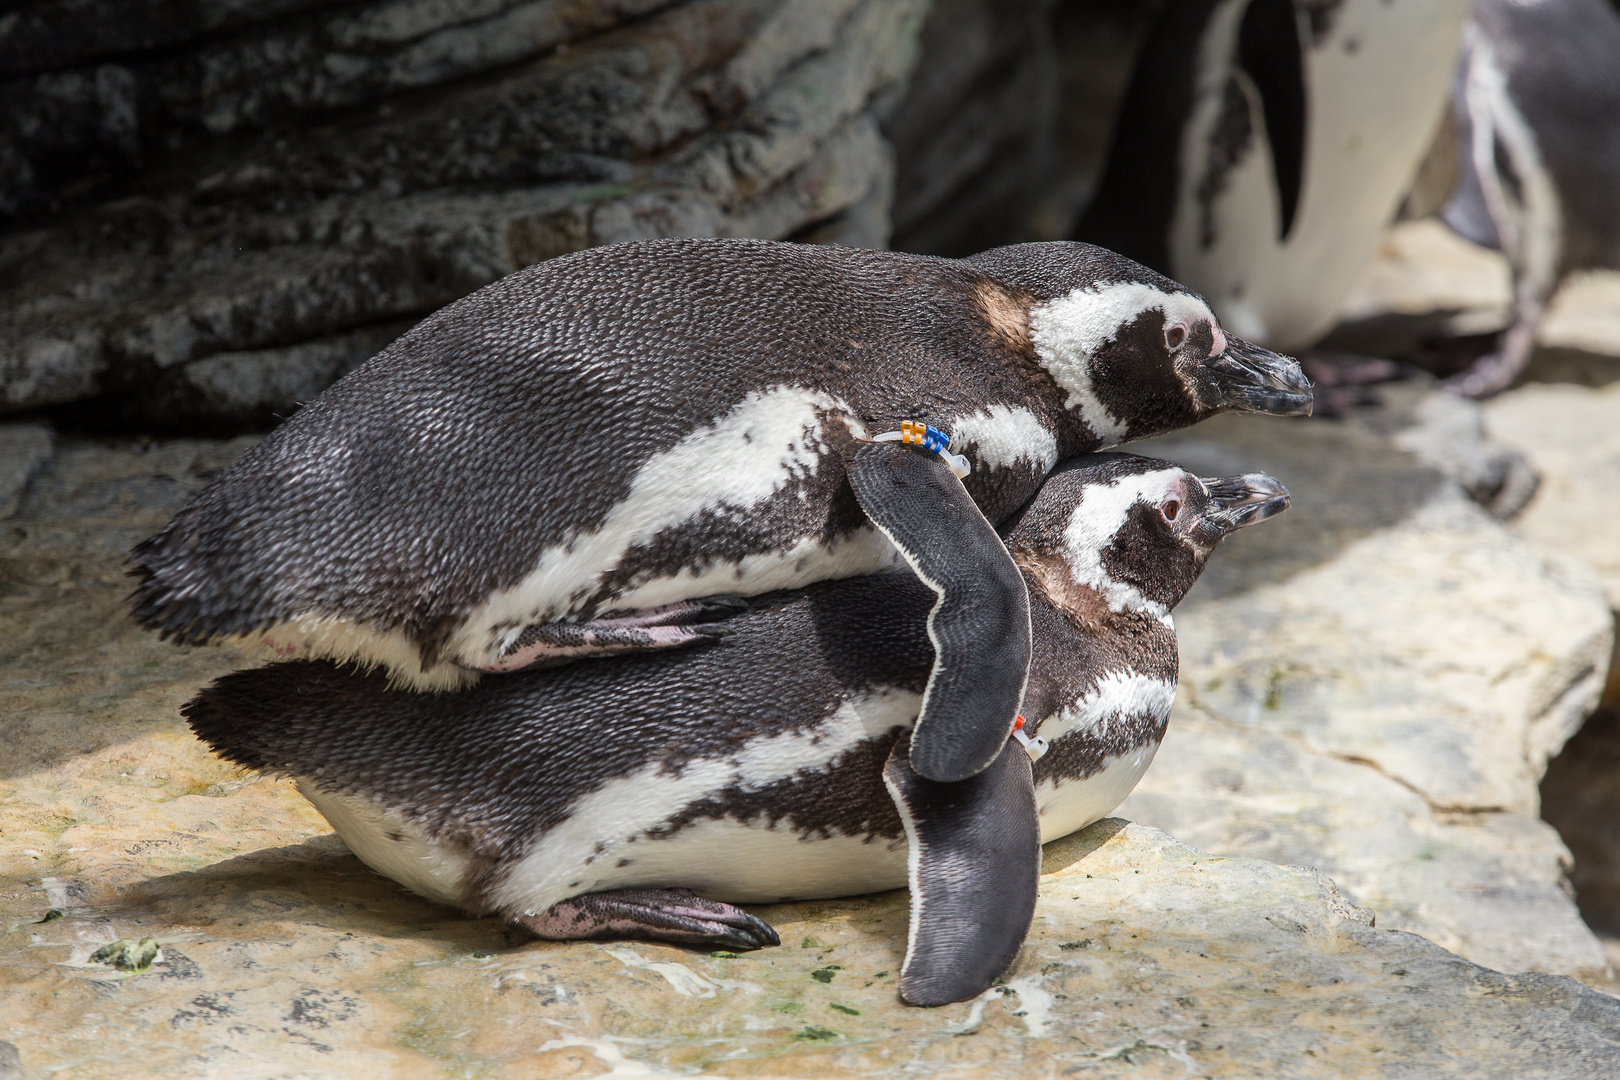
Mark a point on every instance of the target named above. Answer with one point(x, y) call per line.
point(1422, 268)
point(1147, 958)
point(1448, 433)
point(1385, 712)
point(1572, 436)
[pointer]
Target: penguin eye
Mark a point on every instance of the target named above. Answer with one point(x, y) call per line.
point(1170, 508)
point(1174, 336)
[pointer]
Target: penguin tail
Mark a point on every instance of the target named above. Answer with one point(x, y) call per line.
point(193, 595)
point(255, 718)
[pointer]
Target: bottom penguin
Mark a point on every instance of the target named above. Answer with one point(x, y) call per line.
point(641, 796)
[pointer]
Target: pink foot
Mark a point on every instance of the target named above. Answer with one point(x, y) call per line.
point(676, 916)
point(1494, 373)
point(672, 626)
point(1340, 379)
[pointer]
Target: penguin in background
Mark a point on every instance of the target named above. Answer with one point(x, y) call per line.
point(1537, 104)
point(645, 795)
point(1265, 145)
point(588, 456)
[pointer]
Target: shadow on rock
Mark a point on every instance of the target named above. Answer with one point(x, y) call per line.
point(317, 881)
point(1346, 480)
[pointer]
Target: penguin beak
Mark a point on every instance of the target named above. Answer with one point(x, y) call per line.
point(1237, 501)
point(1252, 379)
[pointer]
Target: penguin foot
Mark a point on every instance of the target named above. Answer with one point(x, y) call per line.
point(1488, 376)
point(1495, 372)
point(1341, 379)
point(675, 916)
point(671, 626)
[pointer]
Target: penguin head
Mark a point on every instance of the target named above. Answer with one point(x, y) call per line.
point(1135, 353)
point(1129, 535)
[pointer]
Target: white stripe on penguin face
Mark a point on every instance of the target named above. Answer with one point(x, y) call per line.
point(1069, 330)
point(1093, 524)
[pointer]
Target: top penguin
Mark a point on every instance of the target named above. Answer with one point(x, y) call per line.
point(561, 462)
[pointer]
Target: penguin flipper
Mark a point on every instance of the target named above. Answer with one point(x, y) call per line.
point(1269, 52)
point(671, 626)
point(980, 624)
point(974, 855)
point(677, 916)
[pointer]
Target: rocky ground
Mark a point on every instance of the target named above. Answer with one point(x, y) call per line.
point(1375, 687)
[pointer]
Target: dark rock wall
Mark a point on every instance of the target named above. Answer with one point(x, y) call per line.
point(1003, 133)
point(974, 135)
point(214, 208)
point(211, 209)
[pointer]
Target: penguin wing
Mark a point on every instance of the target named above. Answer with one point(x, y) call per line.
point(974, 861)
point(979, 625)
point(1269, 52)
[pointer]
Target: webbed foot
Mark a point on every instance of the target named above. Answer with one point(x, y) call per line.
point(671, 626)
point(676, 916)
point(1341, 380)
point(1495, 372)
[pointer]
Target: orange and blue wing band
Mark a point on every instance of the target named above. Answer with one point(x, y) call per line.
point(929, 437)
point(917, 433)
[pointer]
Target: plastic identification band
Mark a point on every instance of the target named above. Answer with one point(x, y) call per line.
point(1035, 747)
point(929, 437)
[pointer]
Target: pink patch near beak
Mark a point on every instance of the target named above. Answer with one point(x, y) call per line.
point(1220, 340)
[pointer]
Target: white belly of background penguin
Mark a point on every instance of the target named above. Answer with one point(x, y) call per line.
point(579, 802)
point(567, 462)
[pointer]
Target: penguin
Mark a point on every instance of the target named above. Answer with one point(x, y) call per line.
point(646, 795)
point(1264, 145)
point(1537, 104)
point(601, 452)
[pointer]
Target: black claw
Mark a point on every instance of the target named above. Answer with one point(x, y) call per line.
point(721, 924)
point(704, 923)
point(748, 940)
point(758, 932)
point(713, 633)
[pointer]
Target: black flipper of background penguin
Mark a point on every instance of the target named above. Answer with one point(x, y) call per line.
point(979, 626)
point(1269, 53)
point(975, 864)
point(1136, 199)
